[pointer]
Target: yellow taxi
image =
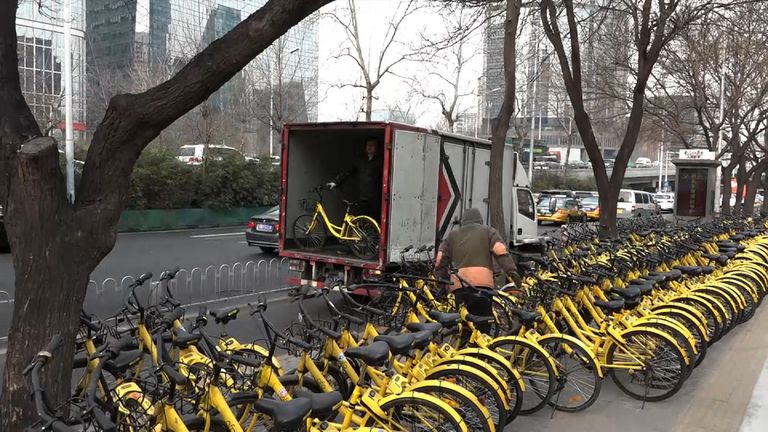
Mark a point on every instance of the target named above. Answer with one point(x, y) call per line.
point(559, 209)
point(591, 207)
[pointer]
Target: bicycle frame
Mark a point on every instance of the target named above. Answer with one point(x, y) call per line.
point(338, 231)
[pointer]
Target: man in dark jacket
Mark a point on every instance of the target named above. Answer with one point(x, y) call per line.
point(369, 177)
point(472, 250)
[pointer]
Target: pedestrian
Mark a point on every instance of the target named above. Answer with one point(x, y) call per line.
point(472, 250)
point(369, 181)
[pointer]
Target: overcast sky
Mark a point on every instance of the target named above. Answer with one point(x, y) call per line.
point(374, 16)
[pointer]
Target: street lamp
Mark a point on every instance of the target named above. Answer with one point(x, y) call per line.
point(271, 100)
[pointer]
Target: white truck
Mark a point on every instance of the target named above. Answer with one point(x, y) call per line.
point(428, 178)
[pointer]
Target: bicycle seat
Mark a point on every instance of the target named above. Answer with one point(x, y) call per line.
point(477, 319)
point(350, 203)
point(707, 270)
point(323, 404)
point(641, 281)
point(527, 318)
point(223, 316)
point(286, 415)
point(611, 306)
point(690, 270)
point(738, 237)
point(629, 292)
point(123, 361)
point(375, 354)
point(398, 344)
point(728, 253)
point(644, 288)
point(422, 339)
point(447, 319)
point(431, 327)
point(727, 244)
point(183, 339)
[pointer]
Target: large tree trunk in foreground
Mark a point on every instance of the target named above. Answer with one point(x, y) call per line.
point(58, 257)
point(501, 123)
point(56, 244)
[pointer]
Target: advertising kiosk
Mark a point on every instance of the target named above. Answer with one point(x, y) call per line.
point(695, 185)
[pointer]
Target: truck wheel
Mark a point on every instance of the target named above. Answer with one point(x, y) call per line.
point(309, 232)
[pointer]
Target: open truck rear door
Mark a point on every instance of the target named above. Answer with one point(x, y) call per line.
point(413, 191)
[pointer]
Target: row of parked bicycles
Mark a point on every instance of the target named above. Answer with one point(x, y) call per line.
point(399, 354)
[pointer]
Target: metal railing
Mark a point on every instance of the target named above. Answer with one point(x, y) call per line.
point(198, 284)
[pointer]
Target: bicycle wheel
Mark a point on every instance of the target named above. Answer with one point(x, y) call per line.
point(197, 424)
point(696, 330)
point(369, 237)
point(413, 411)
point(506, 372)
point(703, 308)
point(680, 338)
point(480, 385)
point(578, 379)
point(309, 232)
point(475, 415)
point(536, 367)
point(646, 366)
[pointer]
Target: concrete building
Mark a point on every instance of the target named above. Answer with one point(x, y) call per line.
point(127, 38)
point(39, 30)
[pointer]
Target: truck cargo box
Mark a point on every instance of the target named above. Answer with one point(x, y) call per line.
point(427, 179)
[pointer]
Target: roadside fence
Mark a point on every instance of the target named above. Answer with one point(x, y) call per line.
point(198, 284)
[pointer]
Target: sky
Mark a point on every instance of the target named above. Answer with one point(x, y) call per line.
point(344, 103)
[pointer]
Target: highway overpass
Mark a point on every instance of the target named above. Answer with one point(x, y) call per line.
point(634, 178)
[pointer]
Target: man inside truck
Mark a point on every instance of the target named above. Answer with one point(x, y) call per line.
point(471, 250)
point(369, 172)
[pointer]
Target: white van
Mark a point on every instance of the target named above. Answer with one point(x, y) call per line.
point(193, 154)
point(635, 203)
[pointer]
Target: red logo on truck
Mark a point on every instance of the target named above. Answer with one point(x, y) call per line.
point(448, 196)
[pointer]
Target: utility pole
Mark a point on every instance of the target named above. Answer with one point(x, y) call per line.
point(69, 141)
point(533, 112)
point(719, 140)
point(661, 160)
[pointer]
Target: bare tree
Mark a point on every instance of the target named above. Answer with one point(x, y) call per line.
point(53, 261)
point(652, 26)
point(373, 65)
point(725, 50)
point(439, 70)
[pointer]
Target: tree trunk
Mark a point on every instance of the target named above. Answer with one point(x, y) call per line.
point(501, 123)
point(51, 278)
point(368, 104)
point(741, 183)
point(764, 206)
point(754, 181)
point(725, 202)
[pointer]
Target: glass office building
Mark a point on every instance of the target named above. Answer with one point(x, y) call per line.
point(39, 29)
point(166, 34)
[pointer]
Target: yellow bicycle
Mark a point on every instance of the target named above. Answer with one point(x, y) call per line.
point(361, 233)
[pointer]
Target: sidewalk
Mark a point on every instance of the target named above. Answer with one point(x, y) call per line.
point(718, 397)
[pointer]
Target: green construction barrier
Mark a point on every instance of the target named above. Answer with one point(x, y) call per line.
point(157, 220)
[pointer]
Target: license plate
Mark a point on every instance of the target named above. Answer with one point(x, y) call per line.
point(264, 227)
point(620, 211)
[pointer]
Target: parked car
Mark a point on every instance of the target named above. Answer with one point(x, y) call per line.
point(194, 154)
point(591, 206)
point(579, 164)
point(609, 162)
point(635, 203)
point(560, 209)
point(263, 230)
point(665, 201)
point(643, 162)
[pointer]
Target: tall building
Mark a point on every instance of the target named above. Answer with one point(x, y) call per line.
point(40, 49)
point(134, 38)
point(543, 109)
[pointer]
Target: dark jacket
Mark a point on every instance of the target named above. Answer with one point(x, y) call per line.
point(369, 177)
point(472, 250)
